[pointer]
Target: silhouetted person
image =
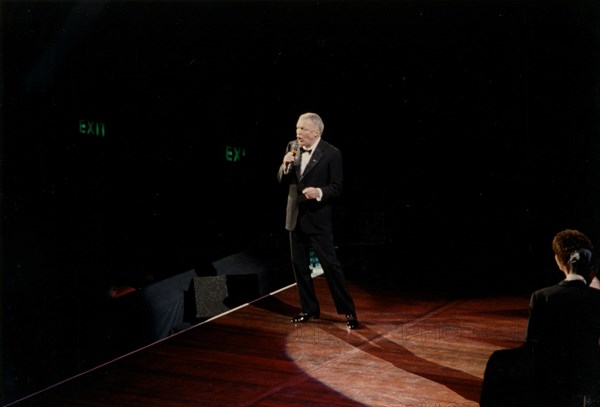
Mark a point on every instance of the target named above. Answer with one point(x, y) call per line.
point(312, 169)
point(564, 330)
point(559, 364)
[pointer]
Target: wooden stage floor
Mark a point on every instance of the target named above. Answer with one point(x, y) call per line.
point(412, 349)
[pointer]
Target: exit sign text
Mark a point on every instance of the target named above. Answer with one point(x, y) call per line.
point(92, 127)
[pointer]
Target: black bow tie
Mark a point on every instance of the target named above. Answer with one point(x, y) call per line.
point(306, 151)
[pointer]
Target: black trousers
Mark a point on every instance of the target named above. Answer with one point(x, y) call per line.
point(300, 244)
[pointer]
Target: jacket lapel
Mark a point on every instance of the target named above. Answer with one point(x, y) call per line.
point(315, 156)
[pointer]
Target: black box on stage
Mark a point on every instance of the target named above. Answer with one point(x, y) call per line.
point(218, 294)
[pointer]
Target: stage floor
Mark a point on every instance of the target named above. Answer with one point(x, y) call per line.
point(412, 349)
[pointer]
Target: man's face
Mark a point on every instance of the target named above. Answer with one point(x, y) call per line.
point(306, 132)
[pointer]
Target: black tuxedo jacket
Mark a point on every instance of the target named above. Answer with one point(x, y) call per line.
point(325, 171)
point(563, 331)
point(567, 313)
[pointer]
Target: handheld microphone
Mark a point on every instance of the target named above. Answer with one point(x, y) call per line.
point(295, 149)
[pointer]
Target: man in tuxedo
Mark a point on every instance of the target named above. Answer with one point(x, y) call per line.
point(312, 169)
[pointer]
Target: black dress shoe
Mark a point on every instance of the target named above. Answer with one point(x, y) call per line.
point(305, 316)
point(351, 321)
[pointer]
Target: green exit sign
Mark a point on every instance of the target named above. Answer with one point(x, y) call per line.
point(233, 153)
point(94, 128)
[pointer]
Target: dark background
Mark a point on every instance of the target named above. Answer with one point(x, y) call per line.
point(469, 131)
